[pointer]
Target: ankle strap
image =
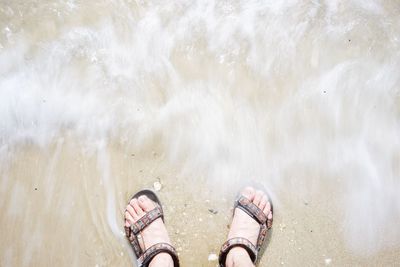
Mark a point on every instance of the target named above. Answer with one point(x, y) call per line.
point(237, 242)
point(156, 249)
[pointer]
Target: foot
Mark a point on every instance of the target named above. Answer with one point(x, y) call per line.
point(245, 226)
point(152, 234)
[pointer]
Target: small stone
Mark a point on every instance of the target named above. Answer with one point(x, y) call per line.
point(328, 261)
point(157, 186)
point(213, 211)
point(212, 257)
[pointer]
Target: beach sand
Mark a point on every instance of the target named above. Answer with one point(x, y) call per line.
point(63, 206)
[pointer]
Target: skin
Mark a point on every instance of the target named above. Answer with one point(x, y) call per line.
point(242, 226)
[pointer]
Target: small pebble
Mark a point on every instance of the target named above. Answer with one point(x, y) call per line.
point(328, 261)
point(157, 186)
point(212, 257)
point(213, 211)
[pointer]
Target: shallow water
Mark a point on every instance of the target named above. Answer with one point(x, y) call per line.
point(100, 99)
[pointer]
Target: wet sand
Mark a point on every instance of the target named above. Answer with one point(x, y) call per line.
point(64, 206)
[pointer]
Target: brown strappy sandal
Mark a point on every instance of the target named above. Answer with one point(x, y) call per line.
point(133, 233)
point(258, 215)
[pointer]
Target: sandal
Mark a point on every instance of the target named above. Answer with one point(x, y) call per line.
point(259, 216)
point(133, 233)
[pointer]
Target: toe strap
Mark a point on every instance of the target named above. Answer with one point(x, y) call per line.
point(156, 249)
point(251, 209)
point(237, 242)
point(146, 220)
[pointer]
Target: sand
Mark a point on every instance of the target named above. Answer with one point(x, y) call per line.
point(60, 208)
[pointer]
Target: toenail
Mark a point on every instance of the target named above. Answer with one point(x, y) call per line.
point(142, 198)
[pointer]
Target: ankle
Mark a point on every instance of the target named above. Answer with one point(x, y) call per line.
point(162, 259)
point(239, 257)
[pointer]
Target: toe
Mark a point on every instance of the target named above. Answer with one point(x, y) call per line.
point(257, 198)
point(135, 204)
point(128, 218)
point(146, 204)
point(269, 216)
point(267, 209)
point(248, 192)
point(263, 202)
point(132, 212)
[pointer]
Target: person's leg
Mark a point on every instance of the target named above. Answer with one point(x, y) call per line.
point(152, 234)
point(238, 257)
point(245, 226)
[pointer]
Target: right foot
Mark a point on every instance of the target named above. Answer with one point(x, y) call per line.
point(246, 227)
point(152, 234)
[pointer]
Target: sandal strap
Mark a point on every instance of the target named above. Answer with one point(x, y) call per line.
point(146, 220)
point(156, 249)
point(237, 242)
point(261, 236)
point(251, 209)
point(133, 240)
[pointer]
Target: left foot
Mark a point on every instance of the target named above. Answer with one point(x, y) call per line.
point(154, 233)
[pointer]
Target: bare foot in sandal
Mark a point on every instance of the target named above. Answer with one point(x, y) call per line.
point(154, 233)
point(244, 229)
